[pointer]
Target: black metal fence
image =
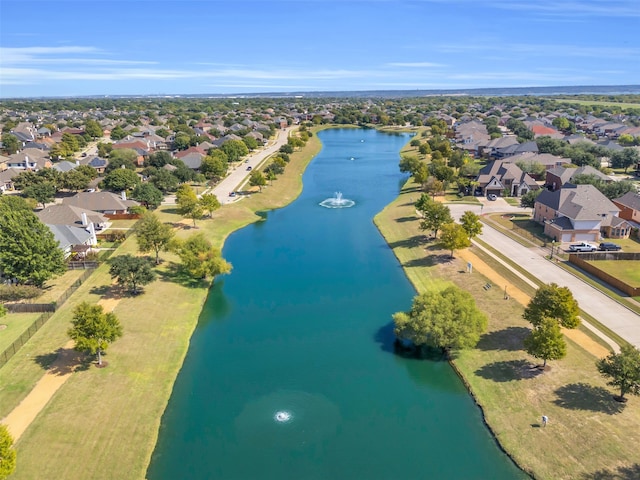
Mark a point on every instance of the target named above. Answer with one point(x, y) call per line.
point(47, 310)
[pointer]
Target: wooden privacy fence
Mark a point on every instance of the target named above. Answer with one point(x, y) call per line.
point(47, 308)
point(582, 260)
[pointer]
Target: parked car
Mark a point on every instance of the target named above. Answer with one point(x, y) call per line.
point(609, 247)
point(249, 168)
point(232, 194)
point(492, 196)
point(582, 247)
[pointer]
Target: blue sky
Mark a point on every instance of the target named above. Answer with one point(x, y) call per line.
point(111, 47)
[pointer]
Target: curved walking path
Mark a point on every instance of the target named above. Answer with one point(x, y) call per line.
point(56, 375)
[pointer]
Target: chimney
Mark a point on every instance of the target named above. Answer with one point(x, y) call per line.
point(123, 195)
point(85, 222)
point(92, 231)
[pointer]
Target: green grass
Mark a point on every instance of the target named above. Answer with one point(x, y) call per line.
point(16, 324)
point(55, 288)
point(627, 271)
point(588, 430)
point(622, 105)
point(121, 224)
point(107, 420)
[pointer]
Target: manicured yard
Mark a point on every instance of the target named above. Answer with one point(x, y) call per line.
point(626, 270)
point(589, 434)
point(13, 325)
point(57, 286)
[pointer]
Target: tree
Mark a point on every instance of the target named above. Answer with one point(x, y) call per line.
point(200, 258)
point(210, 203)
point(162, 179)
point(435, 214)
point(214, 165)
point(448, 320)
point(409, 164)
point(122, 156)
point(528, 200)
point(148, 194)
point(10, 144)
point(553, 301)
point(188, 204)
point(93, 330)
point(3, 310)
point(454, 237)
point(131, 271)
point(153, 235)
point(546, 341)
point(625, 158)
point(76, 179)
point(120, 179)
point(118, 133)
point(93, 129)
point(42, 192)
point(28, 250)
point(7, 453)
point(250, 142)
point(257, 179)
point(234, 149)
point(471, 224)
point(624, 370)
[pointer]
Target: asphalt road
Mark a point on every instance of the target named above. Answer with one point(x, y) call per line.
point(238, 176)
point(607, 311)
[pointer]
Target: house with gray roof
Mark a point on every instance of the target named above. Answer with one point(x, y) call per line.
point(579, 213)
point(499, 177)
point(516, 149)
point(107, 203)
point(557, 177)
point(65, 214)
point(629, 205)
point(70, 238)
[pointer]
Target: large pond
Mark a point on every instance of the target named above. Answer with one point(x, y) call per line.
point(291, 374)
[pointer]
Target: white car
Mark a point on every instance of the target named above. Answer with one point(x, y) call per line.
point(582, 247)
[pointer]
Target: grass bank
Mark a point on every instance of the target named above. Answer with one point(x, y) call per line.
point(104, 422)
point(589, 434)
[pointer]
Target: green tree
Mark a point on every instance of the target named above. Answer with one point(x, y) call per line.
point(200, 258)
point(76, 179)
point(93, 330)
point(561, 123)
point(120, 179)
point(546, 341)
point(625, 158)
point(553, 301)
point(10, 144)
point(210, 203)
point(131, 271)
point(188, 203)
point(410, 164)
point(454, 237)
point(162, 179)
point(28, 250)
point(153, 235)
point(623, 369)
point(3, 310)
point(122, 156)
point(250, 142)
point(434, 214)
point(234, 149)
point(448, 319)
point(93, 129)
point(257, 179)
point(528, 200)
point(7, 453)
point(117, 133)
point(471, 224)
point(214, 165)
point(42, 192)
point(147, 194)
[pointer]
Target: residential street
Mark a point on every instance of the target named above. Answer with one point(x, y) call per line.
point(607, 311)
point(236, 177)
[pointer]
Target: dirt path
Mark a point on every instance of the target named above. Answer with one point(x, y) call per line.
point(56, 375)
point(577, 336)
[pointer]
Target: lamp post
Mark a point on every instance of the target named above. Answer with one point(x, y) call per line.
point(553, 244)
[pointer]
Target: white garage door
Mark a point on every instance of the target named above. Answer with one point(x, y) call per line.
point(585, 237)
point(566, 237)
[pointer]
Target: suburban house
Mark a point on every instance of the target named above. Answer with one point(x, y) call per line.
point(498, 177)
point(515, 149)
point(64, 214)
point(29, 159)
point(104, 202)
point(579, 213)
point(547, 160)
point(6, 179)
point(556, 177)
point(629, 205)
point(73, 239)
point(97, 163)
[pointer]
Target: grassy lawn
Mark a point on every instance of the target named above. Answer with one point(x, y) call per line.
point(587, 432)
point(13, 326)
point(627, 271)
point(622, 106)
point(121, 224)
point(107, 420)
point(56, 287)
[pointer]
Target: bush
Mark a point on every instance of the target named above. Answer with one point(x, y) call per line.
point(15, 293)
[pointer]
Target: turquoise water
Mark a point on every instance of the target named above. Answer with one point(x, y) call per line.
point(291, 374)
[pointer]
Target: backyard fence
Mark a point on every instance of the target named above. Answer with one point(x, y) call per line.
point(47, 308)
